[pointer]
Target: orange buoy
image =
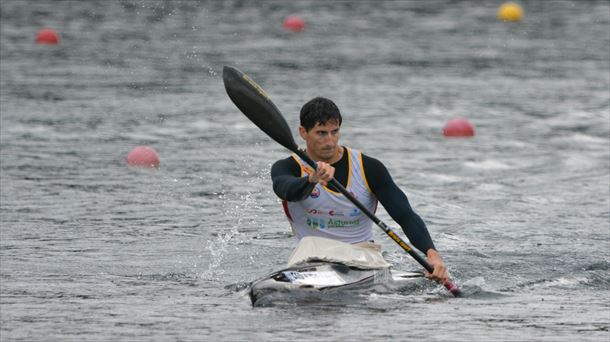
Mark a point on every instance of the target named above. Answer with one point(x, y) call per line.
point(143, 156)
point(458, 128)
point(47, 36)
point(294, 23)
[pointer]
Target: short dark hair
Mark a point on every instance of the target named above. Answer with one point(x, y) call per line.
point(319, 110)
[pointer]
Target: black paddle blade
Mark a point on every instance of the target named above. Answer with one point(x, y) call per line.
point(252, 100)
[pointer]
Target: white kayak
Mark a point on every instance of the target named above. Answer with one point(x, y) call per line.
point(321, 266)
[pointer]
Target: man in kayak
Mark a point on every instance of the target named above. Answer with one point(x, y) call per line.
point(314, 208)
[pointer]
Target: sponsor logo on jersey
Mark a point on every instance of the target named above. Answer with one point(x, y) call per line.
point(320, 223)
point(316, 223)
point(332, 212)
point(335, 223)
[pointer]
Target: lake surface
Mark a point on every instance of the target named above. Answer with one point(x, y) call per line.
point(91, 250)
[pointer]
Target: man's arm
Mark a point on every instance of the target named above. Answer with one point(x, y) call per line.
point(396, 203)
point(287, 181)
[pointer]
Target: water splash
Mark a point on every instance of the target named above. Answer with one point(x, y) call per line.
point(217, 249)
point(242, 209)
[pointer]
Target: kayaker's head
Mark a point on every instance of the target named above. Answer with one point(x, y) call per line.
point(320, 124)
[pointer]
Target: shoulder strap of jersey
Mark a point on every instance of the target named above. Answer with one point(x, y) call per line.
point(305, 169)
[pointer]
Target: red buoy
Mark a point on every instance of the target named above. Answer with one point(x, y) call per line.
point(458, 128)
point(47, 36)
point(143, 156)
point(294, 23)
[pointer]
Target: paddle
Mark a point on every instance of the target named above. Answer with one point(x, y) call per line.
point(252, 100)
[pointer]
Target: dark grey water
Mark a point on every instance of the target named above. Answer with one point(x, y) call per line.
point(93, 250)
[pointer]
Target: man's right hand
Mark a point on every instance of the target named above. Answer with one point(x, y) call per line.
point(323, 174)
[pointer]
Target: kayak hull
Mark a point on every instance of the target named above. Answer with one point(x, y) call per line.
point(312, 281)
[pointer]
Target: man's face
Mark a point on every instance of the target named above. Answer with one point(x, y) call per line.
point(322, 140)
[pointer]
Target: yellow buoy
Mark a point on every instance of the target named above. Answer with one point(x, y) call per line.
point(510, 11)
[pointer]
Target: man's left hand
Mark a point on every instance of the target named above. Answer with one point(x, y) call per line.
point(439, 274)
